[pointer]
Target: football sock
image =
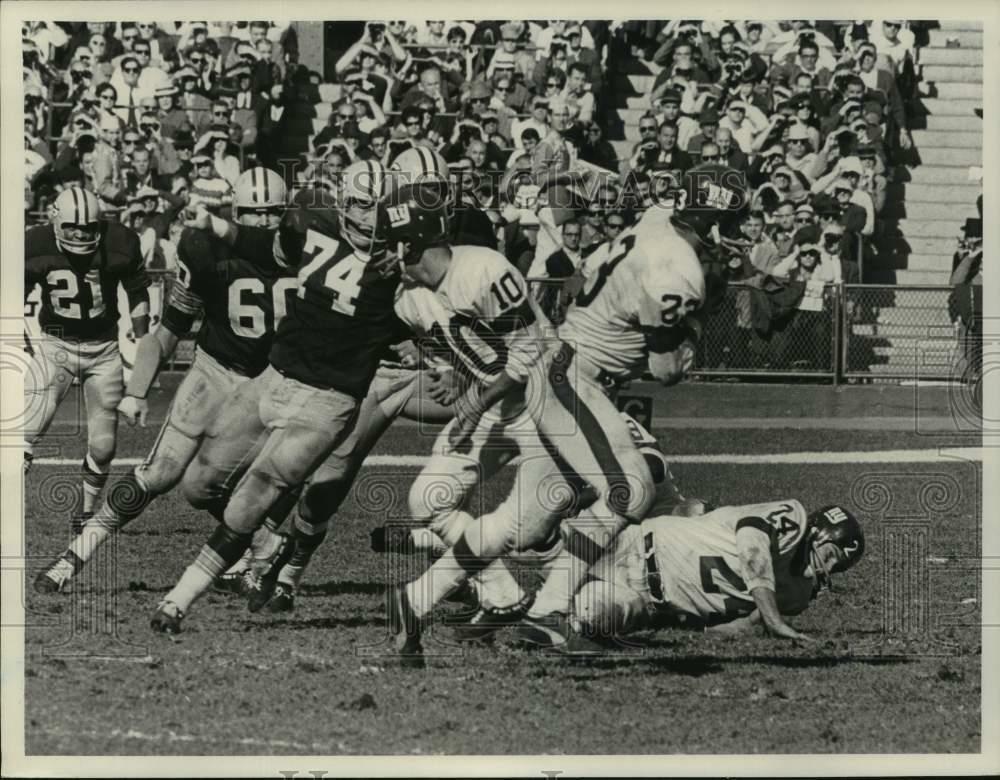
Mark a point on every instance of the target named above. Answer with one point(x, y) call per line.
point(499, 588)
point(28, 457)
point(265, 544)
point(425, 539)
point(305, 545)
point(223, 548)
point(243, 564)
point(94, 479)
point(482, 542)
point(587, 538)
point(126, 500)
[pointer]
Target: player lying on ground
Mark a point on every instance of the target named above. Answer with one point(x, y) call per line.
point(732, 569)
point(619, 323)
point(79, 261)
point(241, 291)
point(325, 353)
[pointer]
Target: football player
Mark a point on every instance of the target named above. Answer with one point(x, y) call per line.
point(323, 357)
point(241, 291)
point(79, 261)
point(732, 569)
point(638, 308)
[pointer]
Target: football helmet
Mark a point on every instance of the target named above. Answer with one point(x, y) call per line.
point(710, 196)
point(259, 192)
point(414, 218)
point(75, 217)
point(421, 165)
point(835, 525)
point(363, 186)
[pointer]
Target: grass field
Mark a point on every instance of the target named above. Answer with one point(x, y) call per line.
point(235, 683)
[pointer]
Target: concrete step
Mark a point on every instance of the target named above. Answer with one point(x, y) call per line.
point(907, 276)
point(940, 263)
point(930, 228)
point(933, 193)
point(962, 73)
point(900, 317)
point(323, 110)
point(940, 174)
point(911, 371)
point(635, 101)
point(969, 39)
point(958, 90)
point(904, 333)
point(924, 210)
point(963, 107)
point(948, 139)
point(956, 158)
point(630, 116)
point(945, 122)
point(638, 83)
point(961, 24)
point(936, 350)
point(934, 55)
point(943, 246)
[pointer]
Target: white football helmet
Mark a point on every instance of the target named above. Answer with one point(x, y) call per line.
point(422, 165)
point(75, 217)
point(259, 192)
point(363, 185)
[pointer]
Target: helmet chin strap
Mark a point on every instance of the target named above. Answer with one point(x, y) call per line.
point(819, 568)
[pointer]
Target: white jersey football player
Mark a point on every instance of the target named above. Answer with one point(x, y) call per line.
point(618, 325)
point(732, 569)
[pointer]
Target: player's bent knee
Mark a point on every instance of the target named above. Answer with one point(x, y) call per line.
point(160, 476)
point(433, 496)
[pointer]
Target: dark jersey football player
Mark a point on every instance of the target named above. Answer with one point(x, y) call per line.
point(79, 262)
point(240, 293)
point(325, 353)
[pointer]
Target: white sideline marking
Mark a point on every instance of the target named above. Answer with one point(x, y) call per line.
point(803, 458)
point(173, 737)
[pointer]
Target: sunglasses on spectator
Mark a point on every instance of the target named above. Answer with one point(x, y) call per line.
point(142, 26)
point(509, 40)
point(397, 24)
point(106, 96)
point(130, 141)
point(150, 127)
point(647, 128)
point(82, 74)
point(508, 88)
point(710, 157)
point(552, 84)
point(893, 25)
point(142, 51)
point(412, 122)
point(130, 37)
point(593, 130)
point(796, 140)
point(616, 226)
point(571, 234)
point(196, 60)
point(481, 101)
point(803, 220)
point(130, 70)
point(223, 112)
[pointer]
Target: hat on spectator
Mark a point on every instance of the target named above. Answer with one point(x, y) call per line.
point(89, 96)
point(782, 170)
point(843, 184)
point(849, 106)
point(973, 227)
point(126, 59)
point(868, 46)
point(798, 101)
point(671, 96)
point(209, 137)
point(84, 119)
point(489, 115)
point(239, 71)
point(737, 105)
point(167, 90)
point(866, 151)
point(804, 208)
point(708, 116)
point(851, 164)
point(183, 139)
point(825, 204)
point(807, 238)
point(201, 159)
point(185, 73)
point(33, 90)
point(512, 28)
point(798, 132)
point(572, 29)
point(479, 90)
point(539, 100)
point(775, 150)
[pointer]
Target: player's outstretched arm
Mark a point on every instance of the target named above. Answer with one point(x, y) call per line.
point(767, 605)
point(203, 219)
point(738, 626)
point(153, 350)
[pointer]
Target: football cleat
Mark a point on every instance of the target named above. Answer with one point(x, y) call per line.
point(167, 618)
point(283, 599)
point(55, 577)
point(555, 632)
point(405, 628)
point(261, 588)
point(240, 583)
point(488, 620)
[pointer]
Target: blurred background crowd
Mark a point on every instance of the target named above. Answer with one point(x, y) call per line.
point(153, 115)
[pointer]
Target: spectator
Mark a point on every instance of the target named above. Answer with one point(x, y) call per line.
point(892, 41)
point(553, 84)
point(799, 157)
point(167, 114)
point(576, 93)
point(708, 121)
point(596, 150)
point(564, 261)
point(509, 58)
point(557, 151)
point(782, 230)
point(130, 94)
point(491, 130)
point(196, 107)
point(805, 215)
point(215, 143)
point(538, 121)
point(730, 153)
point(441, 94)
point(872, 181)
point(207, 185)
point(577, 53)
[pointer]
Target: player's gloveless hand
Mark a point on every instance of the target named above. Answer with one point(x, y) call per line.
point(442, 387)
point(200, 219)
point(134, 410)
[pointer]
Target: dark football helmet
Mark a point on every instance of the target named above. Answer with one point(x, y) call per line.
point(711, 195)
point(835, 525)
point(413, 218)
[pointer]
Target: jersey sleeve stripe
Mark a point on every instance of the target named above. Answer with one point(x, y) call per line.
point(184, 300)
point(756, 522)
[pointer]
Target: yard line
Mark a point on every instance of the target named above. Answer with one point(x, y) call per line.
point(945, 455)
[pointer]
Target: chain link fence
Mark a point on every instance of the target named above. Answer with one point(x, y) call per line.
point(862, 332)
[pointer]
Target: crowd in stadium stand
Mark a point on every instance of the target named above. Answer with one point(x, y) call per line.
point(154, 115)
